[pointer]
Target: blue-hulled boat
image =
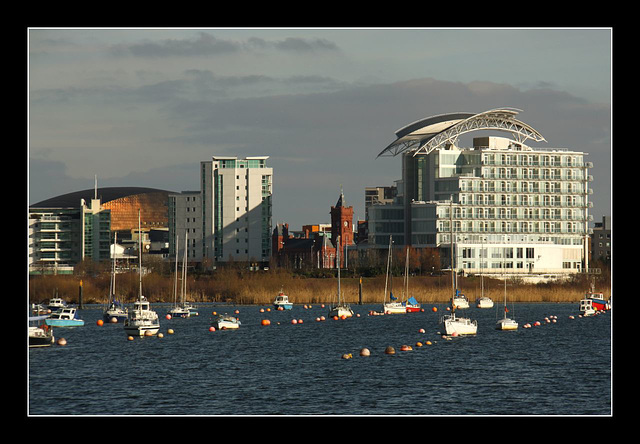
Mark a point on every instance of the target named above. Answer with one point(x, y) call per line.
point(66, 317)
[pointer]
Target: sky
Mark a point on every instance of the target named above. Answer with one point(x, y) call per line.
point(141, 107)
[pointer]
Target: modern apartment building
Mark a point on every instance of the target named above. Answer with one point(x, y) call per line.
point(511, 207)
point(185, 217)
point(61, 237)
point(236, 209)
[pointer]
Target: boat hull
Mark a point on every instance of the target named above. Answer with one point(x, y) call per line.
point(119, 315)
point(38, 337)
point(179, 313)
point(506, 324)
point(288, 306)
point(484, 303)
point(460, 326)
point(413, 308)
point(394, 308)
point(64, 322)
point(340, 312)
point(141, 330)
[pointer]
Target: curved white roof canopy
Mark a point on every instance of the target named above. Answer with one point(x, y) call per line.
point(428, 134)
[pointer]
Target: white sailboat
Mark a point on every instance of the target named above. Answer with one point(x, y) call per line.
point(341, 309)
point(141, 320)
point(484, 301)
point(115, 309)
point(180, 310)
point(411, 304)
point(506, 323)
point(454, 325)
point(393, 306)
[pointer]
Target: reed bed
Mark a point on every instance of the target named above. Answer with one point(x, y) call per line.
point(260, 288)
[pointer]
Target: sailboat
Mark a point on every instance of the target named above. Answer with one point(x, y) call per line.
point(141, 320)
point(453, 324)
point(393, 306)
point(484, 301)
point(341, 309)
point(411, 304)
point(506, 323)
point(180, 310)
point(115, 309)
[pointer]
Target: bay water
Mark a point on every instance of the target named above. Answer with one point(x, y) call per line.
point(557, 368)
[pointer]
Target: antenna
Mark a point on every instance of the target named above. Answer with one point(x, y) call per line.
point(95, 187)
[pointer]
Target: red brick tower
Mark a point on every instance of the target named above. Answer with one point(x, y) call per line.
point(342, 224)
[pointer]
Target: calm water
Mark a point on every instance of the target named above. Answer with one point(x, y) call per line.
point(554, 369)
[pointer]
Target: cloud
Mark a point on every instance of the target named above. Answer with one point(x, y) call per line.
point(205, 44)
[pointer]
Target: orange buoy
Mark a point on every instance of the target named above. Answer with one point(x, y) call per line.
point(406, 348)
point(317, 319)
point(418, 344)
point(114, 320)
point(434, 309)
point(262, 310)
point(347, 356)
point(160, 335)
point(214, 313)
point(170, 331)
point(343, 317)
point(212, 328)
point(130, 338)
point(421, 330)
point(299, 321)
point(62, 341)
point(389, 350)
point(428, 343)
point(265, 322)
point(335, 318)
point(168, 316)
point(237, 311)
point(322, 318)
point(100, 323)
point(148, 333)
point(294, 322)
point(365, 352)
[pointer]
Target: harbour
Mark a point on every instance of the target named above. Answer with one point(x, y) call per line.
point(286, 368)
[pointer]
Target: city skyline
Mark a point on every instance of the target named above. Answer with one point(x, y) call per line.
point(143, 107)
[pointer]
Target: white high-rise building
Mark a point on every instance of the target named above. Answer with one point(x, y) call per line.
point(516, 208)
point(236, 209)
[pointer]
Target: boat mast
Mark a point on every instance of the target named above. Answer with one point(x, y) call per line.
point(386, 279)
point(139, 259)
point(453, 285)
point(184, 266)
point(175, 280)
point(338, 263)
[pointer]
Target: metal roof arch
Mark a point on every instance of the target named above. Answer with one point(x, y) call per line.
point(423, 136)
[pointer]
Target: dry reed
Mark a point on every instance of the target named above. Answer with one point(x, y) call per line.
point(244, 287)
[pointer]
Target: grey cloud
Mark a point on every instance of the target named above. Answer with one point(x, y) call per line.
point(207, 45)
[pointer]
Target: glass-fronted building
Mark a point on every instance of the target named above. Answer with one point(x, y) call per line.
point(509, 206)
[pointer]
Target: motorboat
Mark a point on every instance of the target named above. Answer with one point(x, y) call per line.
point(56, 304)
point(587, 307)
point(341, 309)
point(40, 335)
point(598, 301)
point(65, 317)
point(282, 302)
point(227, 322)
point(141, 320)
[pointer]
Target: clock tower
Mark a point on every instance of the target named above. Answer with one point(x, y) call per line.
point(342, 223)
